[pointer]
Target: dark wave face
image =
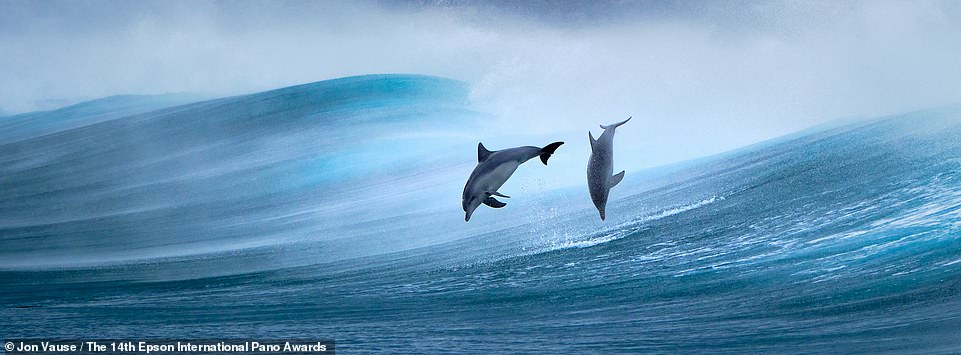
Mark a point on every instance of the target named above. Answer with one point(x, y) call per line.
point(313, 212)
point(312, 162)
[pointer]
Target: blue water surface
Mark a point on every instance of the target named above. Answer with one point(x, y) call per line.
point(313, 212)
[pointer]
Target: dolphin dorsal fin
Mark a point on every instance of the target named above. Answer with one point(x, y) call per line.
point(593, 141)
point(616, 179)
point(482, 153)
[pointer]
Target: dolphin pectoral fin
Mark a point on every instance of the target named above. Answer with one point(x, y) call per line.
point(548, 150)
point(616, 179)
point(593, 141)
point(490, 201)
point(495, 193)
point(482, 153)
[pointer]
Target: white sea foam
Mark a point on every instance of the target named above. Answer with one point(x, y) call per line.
point(627, 228)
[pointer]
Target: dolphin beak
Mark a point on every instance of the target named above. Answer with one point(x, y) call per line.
point(467, 217)
point(602, 214)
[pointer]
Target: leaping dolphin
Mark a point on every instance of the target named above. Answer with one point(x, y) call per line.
point(492, 171)
point(601, 166)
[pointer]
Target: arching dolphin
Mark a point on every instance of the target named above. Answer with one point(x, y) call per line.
point(492, 171)
point(601, 166)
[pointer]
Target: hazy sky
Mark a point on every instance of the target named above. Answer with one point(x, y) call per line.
point(699, 77)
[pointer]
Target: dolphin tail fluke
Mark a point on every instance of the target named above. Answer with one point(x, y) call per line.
point(548, 150)
point(494, 203)
point(616, 179)
point(591, 138)
point(616, 124)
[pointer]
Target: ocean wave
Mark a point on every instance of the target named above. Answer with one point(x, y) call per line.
point(273, 213)
point(628, 228)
